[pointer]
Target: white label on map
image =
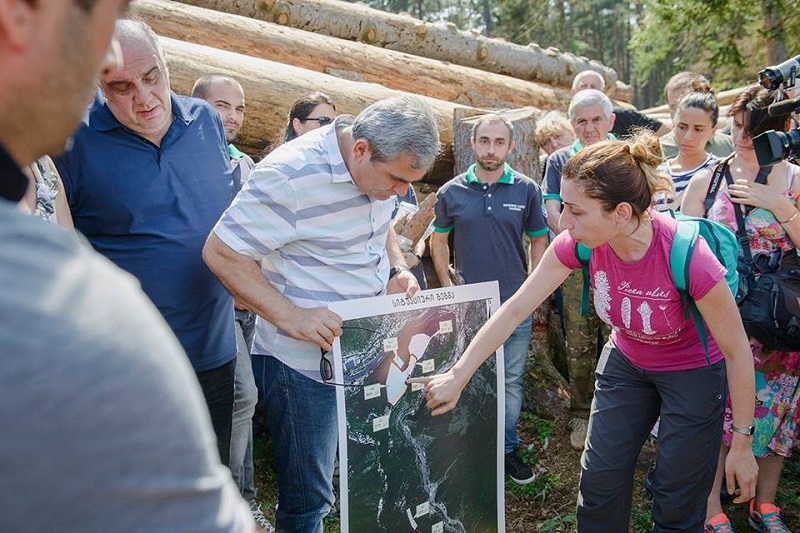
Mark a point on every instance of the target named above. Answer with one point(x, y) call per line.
point(438, 527)
point(417, 386)
point(390, 344)
point(422, 509)
point(380, 423)
point(446, 326)
point(428, 366)
point(372, 391)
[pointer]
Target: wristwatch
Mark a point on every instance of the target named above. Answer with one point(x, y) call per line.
point(746, 430)
point(395, 270)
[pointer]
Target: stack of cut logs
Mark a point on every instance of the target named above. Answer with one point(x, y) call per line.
point(281, 49)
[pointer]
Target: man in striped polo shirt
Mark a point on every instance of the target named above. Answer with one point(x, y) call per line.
point(315, 217)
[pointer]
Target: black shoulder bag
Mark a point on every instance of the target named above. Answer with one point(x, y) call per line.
point(769, 286)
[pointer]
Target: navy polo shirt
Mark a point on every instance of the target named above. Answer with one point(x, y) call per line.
point(488, 221)
point(149, 209)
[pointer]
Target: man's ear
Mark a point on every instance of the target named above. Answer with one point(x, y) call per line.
point(511, 146)
point(18, 21)
point(361, 150)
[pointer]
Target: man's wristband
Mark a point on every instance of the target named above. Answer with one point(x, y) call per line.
point(746, 430)
point(395, 270)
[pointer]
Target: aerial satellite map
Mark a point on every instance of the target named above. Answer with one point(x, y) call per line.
point(401, 469)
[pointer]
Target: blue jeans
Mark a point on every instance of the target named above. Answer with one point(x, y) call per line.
point(515, 354)
point(245, 397)
point(301, 417)
point(217, 387)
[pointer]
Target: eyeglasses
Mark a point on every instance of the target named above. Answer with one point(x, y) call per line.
point(323, 121)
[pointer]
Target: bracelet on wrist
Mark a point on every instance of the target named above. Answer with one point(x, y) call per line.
point(794, 216)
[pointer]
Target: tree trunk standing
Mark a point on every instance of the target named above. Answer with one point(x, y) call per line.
point(487, 17)
point(773, 32)
point(403, 33)
point(545, 386)
point(272, 87)
point(346, 59)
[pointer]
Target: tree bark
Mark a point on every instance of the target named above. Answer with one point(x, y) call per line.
point(355, 22)
point(346, 59)
point(272, 87)
point(773, 31)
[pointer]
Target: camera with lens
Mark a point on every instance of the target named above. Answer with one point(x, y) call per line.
point(773, 146)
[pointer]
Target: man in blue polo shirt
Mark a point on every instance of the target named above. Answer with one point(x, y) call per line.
point(489, 208)
point(147, 177)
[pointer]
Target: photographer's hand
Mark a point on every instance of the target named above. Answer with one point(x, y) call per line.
point(746, 192)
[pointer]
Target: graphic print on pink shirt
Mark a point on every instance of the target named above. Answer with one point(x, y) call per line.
point(641, 303)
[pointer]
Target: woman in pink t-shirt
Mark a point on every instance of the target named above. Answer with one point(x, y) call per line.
point(654, 364)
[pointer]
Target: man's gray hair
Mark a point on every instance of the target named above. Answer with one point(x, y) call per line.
point(580, 76)
point(589, 97)
point(493, 118)
point(133, 28)
point(397, 126)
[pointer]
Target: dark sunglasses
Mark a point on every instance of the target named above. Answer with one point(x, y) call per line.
point(325, 366)
point(323, 121)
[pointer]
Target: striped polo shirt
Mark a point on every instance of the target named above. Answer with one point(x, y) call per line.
point(317, 238)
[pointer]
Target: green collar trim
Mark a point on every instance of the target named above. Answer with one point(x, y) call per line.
point(507, 177)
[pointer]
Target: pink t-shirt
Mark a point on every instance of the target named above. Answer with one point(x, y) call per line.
point(641, 303)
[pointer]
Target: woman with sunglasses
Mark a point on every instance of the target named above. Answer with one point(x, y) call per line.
point(308, 113)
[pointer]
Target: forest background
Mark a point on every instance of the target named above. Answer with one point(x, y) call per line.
point(646, 42)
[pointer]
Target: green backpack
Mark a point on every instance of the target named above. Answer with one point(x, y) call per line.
point(720, 239)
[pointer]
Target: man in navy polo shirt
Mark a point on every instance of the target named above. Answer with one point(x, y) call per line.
point(147, 177)
point(489, 208)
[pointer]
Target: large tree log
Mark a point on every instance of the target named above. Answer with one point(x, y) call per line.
point(356, 22)
point(271, 88)
point(347, 59)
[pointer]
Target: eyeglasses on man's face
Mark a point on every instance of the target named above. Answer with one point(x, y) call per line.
point(323, 121)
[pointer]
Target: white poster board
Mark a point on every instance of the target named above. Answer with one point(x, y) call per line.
point(401, 469)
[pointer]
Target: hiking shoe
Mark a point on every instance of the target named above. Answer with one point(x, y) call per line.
point(519, 472)
point(577, 438)
point(259, 518)
point(718, 523)
point(767, 519)
point(648, 481)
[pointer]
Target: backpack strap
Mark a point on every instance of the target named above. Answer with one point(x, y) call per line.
point(584, 254)
point(679, 258)
point(716, 181)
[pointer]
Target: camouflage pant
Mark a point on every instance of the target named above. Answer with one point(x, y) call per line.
point(581, 335)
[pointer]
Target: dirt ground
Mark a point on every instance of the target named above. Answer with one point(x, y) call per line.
point(548, 504)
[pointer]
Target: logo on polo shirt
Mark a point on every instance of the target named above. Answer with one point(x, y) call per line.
point(514, 207)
